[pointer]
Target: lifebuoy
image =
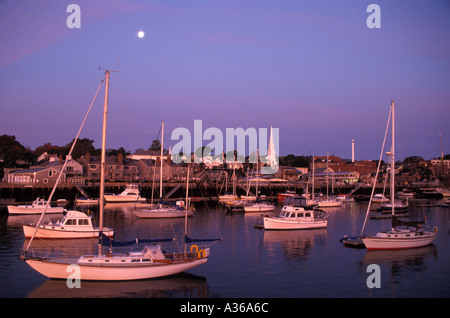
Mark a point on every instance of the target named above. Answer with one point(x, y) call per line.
point(192, 248)
point(201, 254)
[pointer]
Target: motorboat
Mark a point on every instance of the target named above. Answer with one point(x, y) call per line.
point(405, 193)
point(130, 194)
point(400, 206)
point(345, 198)
point(261, 206)
point(86, 201)
point(37, 207)
point(296, 215)
point(75, 224)
point(379, 198)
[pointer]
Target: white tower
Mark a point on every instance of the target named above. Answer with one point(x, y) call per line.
point(271, 158)
point(353, 150)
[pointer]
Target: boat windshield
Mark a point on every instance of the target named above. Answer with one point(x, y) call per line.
point(295, 201)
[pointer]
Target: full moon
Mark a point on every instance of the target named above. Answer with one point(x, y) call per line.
point(141, 34)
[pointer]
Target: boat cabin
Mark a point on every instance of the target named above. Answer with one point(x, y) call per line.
point(153, 251)
point(295, 201)
point(296, 214)
point(73, 219)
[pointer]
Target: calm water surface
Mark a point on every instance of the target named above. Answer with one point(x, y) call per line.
point(249, 262)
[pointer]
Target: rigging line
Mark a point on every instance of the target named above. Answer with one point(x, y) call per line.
point(64, 166)
point(146, 172)
point(378, 169)
point(154, 170)
point(130, 118)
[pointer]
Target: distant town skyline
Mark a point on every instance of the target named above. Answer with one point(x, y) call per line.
point(319, 71)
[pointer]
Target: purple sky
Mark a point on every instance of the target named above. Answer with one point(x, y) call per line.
point(311, 68)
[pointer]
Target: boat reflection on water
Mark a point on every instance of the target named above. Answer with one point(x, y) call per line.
point(296, 245)
point(180, 285)
point(401, 262)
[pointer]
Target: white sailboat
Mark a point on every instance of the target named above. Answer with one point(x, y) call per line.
point(150, 262)
point(402, 234)
point(230, 197)
point(260, 205)
point(329, 202)
point(163, 210)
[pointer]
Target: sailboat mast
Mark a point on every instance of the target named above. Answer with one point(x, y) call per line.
point(103, 162)
point(187, 206)
point(161, 167)
point(313, 186)
point(393, 159)
point(327, 175)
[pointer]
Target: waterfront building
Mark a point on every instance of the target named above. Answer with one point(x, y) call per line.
point(41, 176)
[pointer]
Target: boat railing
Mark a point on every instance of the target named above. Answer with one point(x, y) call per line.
point(63, 256)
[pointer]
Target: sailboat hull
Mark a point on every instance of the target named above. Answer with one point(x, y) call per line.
point(329, 203)
point(259, 208)
point(162, 213)
point(58, 233)
point(58, 270)
point(388, 241)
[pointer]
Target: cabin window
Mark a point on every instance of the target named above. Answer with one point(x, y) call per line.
point(135, 260)
point(146, 260)
point(308, 214)
point(71, 222)
point(83, 222)
point(293, 215)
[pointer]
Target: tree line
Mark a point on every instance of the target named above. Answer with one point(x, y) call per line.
point(14, 154)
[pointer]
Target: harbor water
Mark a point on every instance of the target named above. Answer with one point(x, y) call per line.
point(249, 262)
